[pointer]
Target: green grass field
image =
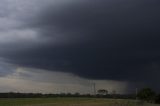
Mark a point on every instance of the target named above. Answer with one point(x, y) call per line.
point(65, 102)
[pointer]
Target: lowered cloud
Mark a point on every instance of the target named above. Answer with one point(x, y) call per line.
point(104, 40)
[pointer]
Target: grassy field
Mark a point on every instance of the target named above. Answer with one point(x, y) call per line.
point(66, 102)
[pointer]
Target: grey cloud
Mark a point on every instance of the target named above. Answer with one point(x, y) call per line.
point(113, 39)
point(5, 68)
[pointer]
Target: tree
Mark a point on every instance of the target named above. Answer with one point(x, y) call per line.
point(157, 99)
point(102, 92)
point(113, 93)
point(146, 94)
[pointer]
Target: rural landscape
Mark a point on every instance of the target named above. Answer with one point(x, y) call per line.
point(68, 102)
point(145, 97)
point(79, 52)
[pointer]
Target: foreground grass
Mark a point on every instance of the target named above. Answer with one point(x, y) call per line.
point(66, 102)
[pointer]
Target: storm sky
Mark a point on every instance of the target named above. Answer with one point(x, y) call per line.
point(115, 43)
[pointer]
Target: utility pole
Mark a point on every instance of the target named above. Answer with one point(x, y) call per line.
point(136, 93)
point(94, 88)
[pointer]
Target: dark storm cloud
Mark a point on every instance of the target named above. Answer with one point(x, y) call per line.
point(113, 39)
point(109, 22)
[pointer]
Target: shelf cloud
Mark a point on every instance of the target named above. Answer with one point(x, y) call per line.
point(99, 40)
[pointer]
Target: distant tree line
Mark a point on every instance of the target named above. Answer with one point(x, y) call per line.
point(40, 95)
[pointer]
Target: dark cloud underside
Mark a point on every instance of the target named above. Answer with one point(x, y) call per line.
point(116, 40)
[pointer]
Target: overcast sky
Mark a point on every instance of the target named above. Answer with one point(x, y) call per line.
point(73, 43)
